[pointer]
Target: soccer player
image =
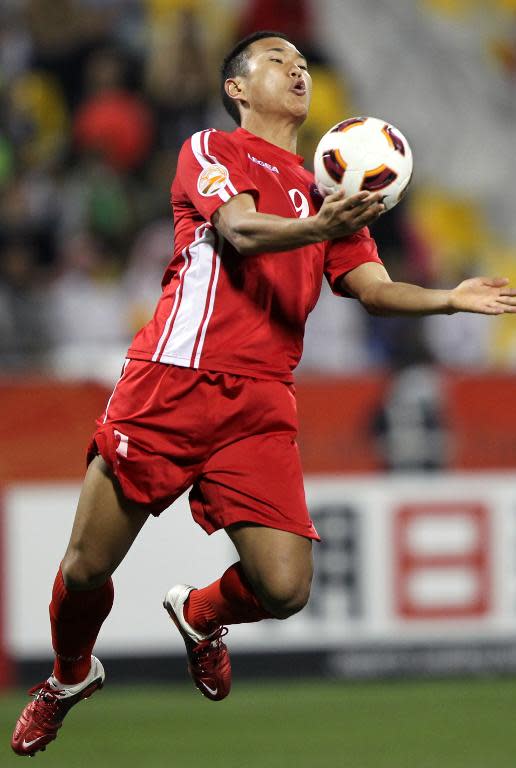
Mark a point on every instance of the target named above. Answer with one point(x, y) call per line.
point(206, 400)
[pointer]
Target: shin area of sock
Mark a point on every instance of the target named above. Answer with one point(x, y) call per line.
point(76, 617)
point(229, 600)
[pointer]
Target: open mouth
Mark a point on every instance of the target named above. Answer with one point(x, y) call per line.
point(299, 88)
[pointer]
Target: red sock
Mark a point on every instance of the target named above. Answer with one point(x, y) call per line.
point(75, 620)
point(230, 600)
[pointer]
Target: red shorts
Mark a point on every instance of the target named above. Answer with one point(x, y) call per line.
point(232, 438)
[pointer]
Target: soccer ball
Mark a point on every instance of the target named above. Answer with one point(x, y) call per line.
point(364, 153)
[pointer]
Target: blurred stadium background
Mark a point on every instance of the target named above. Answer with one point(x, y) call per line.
point(408, 428)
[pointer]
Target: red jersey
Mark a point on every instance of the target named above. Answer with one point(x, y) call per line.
point(222, 311)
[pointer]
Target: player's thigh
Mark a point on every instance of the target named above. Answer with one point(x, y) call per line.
point(279, 565)
point(104, 528)
point(254, 480)
point(253, 488)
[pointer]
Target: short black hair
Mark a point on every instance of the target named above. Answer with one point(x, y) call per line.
point(235, 64)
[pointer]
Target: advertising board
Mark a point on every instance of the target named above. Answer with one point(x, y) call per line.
point(413, 571)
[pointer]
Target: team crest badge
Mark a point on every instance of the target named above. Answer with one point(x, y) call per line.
point(212, 179)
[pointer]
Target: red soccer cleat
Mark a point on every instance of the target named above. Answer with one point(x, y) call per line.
point(41, 719)
point(208, 658)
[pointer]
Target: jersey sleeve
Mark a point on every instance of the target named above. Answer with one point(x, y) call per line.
point(211, 171)
point(345, 254)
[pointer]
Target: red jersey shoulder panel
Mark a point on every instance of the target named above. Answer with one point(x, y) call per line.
point(210, 170)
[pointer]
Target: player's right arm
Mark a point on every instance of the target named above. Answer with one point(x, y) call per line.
point(211, 174)
point(251, 232)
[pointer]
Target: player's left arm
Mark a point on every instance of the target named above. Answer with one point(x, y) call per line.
point(371, 285)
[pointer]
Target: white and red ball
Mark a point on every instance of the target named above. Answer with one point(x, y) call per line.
point(364, 153)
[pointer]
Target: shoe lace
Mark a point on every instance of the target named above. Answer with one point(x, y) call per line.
point(48, 704)
point(207, 652)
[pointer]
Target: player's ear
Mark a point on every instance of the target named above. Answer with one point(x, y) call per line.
point(235, 88)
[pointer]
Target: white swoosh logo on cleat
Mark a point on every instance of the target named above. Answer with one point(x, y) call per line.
point(213, 691)
point(27, 744)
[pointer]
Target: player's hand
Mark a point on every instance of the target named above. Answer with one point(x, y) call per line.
point(487, 295)
point(340, 216)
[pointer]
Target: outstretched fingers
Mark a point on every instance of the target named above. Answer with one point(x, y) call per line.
point(504, 298)
point(507, 303)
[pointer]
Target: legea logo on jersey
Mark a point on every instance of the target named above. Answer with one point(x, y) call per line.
point(269, 167)
point(212, 179)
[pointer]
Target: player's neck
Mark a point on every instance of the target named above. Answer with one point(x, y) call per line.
point(282, 134)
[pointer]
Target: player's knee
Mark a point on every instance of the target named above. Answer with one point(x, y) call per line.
point(288, 595)
point(81, 572)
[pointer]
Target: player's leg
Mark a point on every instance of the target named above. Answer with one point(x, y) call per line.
point(253, 488)
point(278, 565)
point(105, 526)
point(271, 580)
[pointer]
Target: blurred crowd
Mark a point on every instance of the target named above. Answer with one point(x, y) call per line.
point(96, 98)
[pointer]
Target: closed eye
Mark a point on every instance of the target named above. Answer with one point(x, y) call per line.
point(278, 60)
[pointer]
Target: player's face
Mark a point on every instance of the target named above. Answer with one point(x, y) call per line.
point(277, 82)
